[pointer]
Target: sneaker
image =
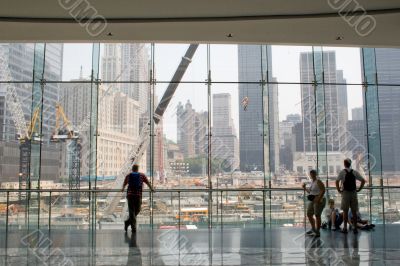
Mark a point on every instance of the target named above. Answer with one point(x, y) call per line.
point(126, 225)
point(317, 234)
point(344, 231)
point(310, 233)
point(334, 229)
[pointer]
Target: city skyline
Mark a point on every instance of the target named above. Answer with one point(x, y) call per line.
point(237, 92)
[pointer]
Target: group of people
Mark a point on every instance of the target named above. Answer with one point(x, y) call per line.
point(347, 187)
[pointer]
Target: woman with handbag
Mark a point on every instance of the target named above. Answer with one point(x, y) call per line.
point(316, 203)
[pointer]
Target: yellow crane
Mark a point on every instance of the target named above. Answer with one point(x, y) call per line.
point(66, 131)
point(31, 132)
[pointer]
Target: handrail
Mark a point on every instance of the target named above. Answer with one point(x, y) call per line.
point(165, 190)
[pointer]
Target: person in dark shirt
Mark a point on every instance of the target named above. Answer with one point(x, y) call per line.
point(135, 181)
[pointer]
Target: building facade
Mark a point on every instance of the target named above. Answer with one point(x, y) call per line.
point(224, 145)
point(335, 103)
point(262, 102)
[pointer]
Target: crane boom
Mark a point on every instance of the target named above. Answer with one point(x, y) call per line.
point(139, 149)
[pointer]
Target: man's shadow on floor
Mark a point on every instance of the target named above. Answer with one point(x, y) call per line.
point(134, 254)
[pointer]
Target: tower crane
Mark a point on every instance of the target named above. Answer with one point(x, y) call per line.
point(26, 134)
point(113, 198)
point(63, 132)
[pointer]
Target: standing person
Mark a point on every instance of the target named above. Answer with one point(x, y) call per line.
point(317, 203)
point(135, 181)
point(348, 188)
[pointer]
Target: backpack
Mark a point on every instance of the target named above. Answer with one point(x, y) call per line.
point(349, 183)
point(135, 182)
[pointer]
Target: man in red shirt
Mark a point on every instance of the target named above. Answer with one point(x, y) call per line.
point(135, 181)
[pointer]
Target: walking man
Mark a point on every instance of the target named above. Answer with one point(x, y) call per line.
point(346, 185)
point(135, 181)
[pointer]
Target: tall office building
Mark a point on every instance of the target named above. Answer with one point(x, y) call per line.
point(357, 113)
point(191, 131)
point(388, 67)
point(18, 62)
point(111, 62)
point(260, 105)
point(336, 115)
point(225, 145)
point(135, 67)
point(128, 62)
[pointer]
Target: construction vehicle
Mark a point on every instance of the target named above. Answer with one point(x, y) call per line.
point(139, 149)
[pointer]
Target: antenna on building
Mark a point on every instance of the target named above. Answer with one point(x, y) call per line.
point(81, 74)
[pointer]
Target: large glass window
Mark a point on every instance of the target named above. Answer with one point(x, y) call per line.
point(226, 133)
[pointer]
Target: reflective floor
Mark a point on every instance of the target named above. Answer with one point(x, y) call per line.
point(201, 247)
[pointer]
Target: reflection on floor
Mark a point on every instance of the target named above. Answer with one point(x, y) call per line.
point(201, 247)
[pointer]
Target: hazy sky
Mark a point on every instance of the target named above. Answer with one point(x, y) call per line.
point(224, 67)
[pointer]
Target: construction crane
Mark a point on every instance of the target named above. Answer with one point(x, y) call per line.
point(63, 132)
point(26, 135)
point(113, 198)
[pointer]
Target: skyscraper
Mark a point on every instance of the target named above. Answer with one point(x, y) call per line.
point(225, 145)
point(18, 62)
point(388, 67)
point(261, 104)
point(191, 131)
point(357, 113)
point(135, 67)
point(335, 102)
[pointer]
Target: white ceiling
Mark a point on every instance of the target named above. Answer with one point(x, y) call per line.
point(249, 21)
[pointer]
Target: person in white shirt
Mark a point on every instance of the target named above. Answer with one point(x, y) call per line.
point(346, 185)
point(316, 203)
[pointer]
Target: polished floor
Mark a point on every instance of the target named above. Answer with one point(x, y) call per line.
point(274, 246)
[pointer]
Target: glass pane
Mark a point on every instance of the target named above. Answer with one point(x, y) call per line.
point(168, 56)
point(389, 121)
point(118, 135)
point(16, 61)
point(287, 63)
point(287, 208)
point(166, 210)
point(225, 153)
point(294, 157)
point(392, 205)
point(123, 62)
point(69, 211)
point(342, 65)
point(15, 109)
point(56, 53)
point(66, 135)
point(372, 117)
point(388, 66)
point(181, 141)
point(235, 63)
point(114, 219)
point(3, 217)
point(68, 61)
point(242, 209)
